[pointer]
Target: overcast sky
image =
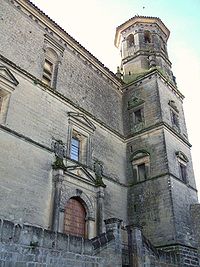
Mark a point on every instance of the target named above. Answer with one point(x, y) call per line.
point(93, 24)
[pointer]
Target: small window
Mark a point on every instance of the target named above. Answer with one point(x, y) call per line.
point(141, 165)
point(141, 172)
point(182, 163)
point(138, 116)
point(75, 149)
point(130, 40)
point(147, 37)
point(183, 172)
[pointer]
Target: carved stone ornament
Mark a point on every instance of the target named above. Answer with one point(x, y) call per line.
point(182, 156)
point(59, 148)
point(172, 104)
point(134, 102)
point(98, 170)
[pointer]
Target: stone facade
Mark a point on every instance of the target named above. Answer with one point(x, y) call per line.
point(71, 130)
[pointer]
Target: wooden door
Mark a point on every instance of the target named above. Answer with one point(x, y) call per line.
point(74, 218)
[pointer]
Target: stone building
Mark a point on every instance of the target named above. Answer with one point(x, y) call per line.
point(95, 167)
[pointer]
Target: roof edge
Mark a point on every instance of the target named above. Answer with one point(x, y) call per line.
point(76, 43)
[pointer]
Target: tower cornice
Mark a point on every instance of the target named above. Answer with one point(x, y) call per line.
point(154, 71)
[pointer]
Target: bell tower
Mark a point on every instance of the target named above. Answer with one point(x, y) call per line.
point(161, 183)
point(143, 45)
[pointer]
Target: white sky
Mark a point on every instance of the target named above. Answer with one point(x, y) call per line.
point(93, 24)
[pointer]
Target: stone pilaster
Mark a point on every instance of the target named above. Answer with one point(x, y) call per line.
point(100, 210)
point(114, 224)
point(57, 180)
point(90, 227)
point(135, 246)
point(195, 215)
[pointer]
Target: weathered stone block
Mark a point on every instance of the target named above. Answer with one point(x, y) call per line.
point(49, 240)
point(31, 236)
point(7, 231)
point(75, 244)
point(62, 241)
point(87, 247)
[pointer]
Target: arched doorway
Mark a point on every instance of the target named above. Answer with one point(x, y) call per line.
point(74, 218)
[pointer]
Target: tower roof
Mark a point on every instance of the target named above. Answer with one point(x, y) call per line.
point(140, 19)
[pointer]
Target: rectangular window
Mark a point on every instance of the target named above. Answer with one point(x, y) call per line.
point(183, 173)
point(47, 72)
point(138, 116)
point(141, 172)
point(75, 149)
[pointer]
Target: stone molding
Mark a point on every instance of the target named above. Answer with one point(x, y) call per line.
point(88, 203)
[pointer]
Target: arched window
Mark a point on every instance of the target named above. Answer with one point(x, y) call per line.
point(147, 37)
point(130, 40)
point(141, 165)
point(74, 218)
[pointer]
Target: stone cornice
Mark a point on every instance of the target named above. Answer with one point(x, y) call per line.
point(146, 53)
point(50, 26)
point(61, 97)
point(49, 149)
point(156, 127)
point(154, 72)
point(161, 175)
point(29, 140)
point(116, 133)
point(25, 138)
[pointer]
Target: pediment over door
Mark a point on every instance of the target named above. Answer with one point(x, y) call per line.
point(81, 172)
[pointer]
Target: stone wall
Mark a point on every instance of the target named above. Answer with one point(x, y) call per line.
point(26, 181)
point(36, 116)
point(32, 246)
point(195, 215)
point(150, 207)
point(29, 246)
point(166, 94)
point(79, 74)
point(147, 91)
point(143, 253)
